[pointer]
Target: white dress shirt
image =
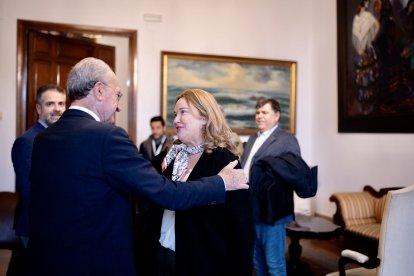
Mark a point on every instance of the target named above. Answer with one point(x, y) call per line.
point(167, 237)
point(84, 109)
point(261, 138)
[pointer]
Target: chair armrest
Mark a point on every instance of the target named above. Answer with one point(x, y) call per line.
point(337, 217)
point(359, 257)
point(350, 256)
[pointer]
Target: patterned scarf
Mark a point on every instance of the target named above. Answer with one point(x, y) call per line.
point(180, 153)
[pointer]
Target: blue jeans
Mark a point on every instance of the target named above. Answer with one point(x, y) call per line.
point(269, 249)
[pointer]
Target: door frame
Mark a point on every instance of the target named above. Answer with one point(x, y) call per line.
point(23, 28)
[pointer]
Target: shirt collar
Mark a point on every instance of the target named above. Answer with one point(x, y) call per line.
point(42, 123)
point(266, 133)
point(84, 109)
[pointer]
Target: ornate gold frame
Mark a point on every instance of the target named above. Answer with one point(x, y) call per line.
point(240, 110)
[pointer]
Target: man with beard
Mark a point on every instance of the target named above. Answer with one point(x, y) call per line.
point(50, 104)
point(158, 141)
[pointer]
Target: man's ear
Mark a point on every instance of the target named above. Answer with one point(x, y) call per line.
point(277, 116)
point(97, 92)
point(38, 109)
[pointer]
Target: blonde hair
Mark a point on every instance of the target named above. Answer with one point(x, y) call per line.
point(216, 132)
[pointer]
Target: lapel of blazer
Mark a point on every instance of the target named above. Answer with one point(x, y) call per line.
point(264, 149)
point(248, 149)
point(200, 168)
point(38, 127)
point(148, 147)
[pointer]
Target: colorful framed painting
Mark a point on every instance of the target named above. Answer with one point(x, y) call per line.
point(375, 66)
point(236, 83)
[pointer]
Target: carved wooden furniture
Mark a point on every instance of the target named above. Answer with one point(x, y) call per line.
point(360, 216)
point(395, 243)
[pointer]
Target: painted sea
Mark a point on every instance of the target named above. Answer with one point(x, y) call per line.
point(238, 105)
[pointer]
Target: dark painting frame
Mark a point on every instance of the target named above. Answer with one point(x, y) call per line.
point(391, 107)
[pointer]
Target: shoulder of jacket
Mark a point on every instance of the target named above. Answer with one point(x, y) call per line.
point(220, 152)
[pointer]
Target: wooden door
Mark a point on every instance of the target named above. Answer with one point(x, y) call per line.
point(51, 57)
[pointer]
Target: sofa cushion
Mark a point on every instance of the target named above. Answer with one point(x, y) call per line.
point(357, 208)
point(371, 231)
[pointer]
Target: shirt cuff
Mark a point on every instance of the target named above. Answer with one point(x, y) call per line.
point(224, 182)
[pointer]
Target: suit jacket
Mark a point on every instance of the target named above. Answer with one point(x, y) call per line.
point(146, 147)
point(278, 143)
point(21, 157)
point(212, 240)
point(82, 175)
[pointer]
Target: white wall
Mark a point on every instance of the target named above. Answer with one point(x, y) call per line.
point(300, 30)
point(121, 69)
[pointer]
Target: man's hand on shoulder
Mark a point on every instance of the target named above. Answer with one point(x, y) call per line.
point(234, 179)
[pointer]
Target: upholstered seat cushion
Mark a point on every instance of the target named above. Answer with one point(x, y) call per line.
point(369, 230)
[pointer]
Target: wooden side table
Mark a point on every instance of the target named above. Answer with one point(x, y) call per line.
point(306, 227)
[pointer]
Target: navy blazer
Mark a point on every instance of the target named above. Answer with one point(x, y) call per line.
point(21, 155)
point(82, 175)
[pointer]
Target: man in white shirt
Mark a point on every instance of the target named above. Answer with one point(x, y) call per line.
point(270, 140)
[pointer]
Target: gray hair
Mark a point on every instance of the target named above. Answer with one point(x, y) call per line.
point(84, 75)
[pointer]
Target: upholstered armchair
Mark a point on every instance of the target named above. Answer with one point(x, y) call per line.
point(395, 242)
point(360, 215)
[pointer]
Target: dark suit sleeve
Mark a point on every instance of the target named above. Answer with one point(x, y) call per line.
point(293, 145)
point(127, 170)
point(143, 151)
point(21, 156)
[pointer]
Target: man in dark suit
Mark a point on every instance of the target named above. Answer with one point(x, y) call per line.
point(158, 140)
point(271, 140)
point(50, 104)
point(80, 216)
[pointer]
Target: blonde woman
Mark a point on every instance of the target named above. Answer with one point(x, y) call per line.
point(210, 240)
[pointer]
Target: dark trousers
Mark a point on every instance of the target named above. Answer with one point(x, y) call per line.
point(18, 260)
point(165, 261)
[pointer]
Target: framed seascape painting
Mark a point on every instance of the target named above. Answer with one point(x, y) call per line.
point(375, 66)
point(236, 83)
